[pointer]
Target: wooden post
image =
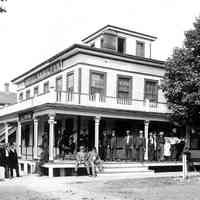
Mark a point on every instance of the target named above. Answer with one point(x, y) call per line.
point(97, 122)
point(51, 122)
point(146, 133)
point(19, 138)
point(35, 152)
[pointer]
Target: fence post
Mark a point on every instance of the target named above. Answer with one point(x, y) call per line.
point(184, 164)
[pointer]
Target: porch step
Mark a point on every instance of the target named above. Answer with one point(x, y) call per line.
point(125, 169)
point(128, 174)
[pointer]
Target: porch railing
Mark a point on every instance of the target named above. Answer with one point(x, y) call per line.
point(95, 100)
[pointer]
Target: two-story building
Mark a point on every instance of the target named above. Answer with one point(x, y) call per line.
point(110, 81)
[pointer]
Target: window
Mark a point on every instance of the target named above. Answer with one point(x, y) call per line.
point(28, 94)
point(151, 90)
point(35, 91)
point(21, 96)
point(98, 83)
point(46, 87)
point(124, 89)
point(109, 41)
point(140, 46)
point(70, 82)
point(59, 83)
point(121, 45)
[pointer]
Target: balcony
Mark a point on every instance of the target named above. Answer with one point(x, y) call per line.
point(85, 99)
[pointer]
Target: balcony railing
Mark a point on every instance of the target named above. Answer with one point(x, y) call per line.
point(85, 99)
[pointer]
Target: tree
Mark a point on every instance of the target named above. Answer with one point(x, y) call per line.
point(2, 9)
point(181, 83)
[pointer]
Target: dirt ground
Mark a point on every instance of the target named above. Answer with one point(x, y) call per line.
point(66, 188)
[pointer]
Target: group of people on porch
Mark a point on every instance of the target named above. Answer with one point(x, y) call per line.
point(131, 146)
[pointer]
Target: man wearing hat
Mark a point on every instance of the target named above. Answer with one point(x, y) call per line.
point(160, 146)
point(128, 141)
point(140, 147)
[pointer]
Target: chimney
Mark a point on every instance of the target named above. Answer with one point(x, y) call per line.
point(6, 86)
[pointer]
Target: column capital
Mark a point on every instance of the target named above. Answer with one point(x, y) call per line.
point(97, 119)
point(35, 120)
point(146, 122)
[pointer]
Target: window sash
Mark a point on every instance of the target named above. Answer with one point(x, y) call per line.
point(70, 82)
point(97, 83)
point(151, 91)
point(124, 87)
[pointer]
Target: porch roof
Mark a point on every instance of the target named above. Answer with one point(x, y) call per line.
point(79, 110)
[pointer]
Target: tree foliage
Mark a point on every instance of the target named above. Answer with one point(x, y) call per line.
point(182, 79)
point(2, 9)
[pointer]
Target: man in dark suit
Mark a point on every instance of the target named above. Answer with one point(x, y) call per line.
point(113, 145)
point(140, 146)
point(13, 160)
point(104, 145)
point(128, 142)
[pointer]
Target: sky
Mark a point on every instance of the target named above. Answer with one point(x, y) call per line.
point(33, 30)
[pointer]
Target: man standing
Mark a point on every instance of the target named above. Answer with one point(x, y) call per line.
point(151, 150)
point(13, 161)
point(140, 147)
point(128, 145)
point(104, 145)
point(113, 145)
point(160, 146)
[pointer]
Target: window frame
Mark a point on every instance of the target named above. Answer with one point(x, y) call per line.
point(105, 81)
point(67, 75)
point(59, 78)
point(34, 94)
point(21, 96)
point(157, 88)
point(45, 83)
point(28, 91)
point(131, 85)
point(136, 52)
point(124, 45)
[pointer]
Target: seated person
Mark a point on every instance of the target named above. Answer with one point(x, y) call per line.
point(82, 158)
point(95, 161)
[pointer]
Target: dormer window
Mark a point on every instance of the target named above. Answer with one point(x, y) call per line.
point(121, 45)
point(109, 41)
point(113, 42)
point(140, 49)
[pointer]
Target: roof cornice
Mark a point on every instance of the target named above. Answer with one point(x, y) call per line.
point(84, 49)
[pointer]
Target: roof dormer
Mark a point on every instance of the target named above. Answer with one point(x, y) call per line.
point(121, 40)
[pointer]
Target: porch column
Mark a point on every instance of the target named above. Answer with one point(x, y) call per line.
point(146, 131)
point(19, 135)
point(51, 122)
point(35, 129)
point(97, 122)
point(6, 132)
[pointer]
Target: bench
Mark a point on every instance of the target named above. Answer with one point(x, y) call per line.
point(60, 166)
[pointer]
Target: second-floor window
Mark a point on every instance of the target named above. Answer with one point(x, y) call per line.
point(140, 49)
point(98, 83)
point(36, 91)
point(28, 94)
point(151, 90)
point(46, 87)
point(21, 96)
point(70, 82)
point(124, 89)
point(59, 83)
